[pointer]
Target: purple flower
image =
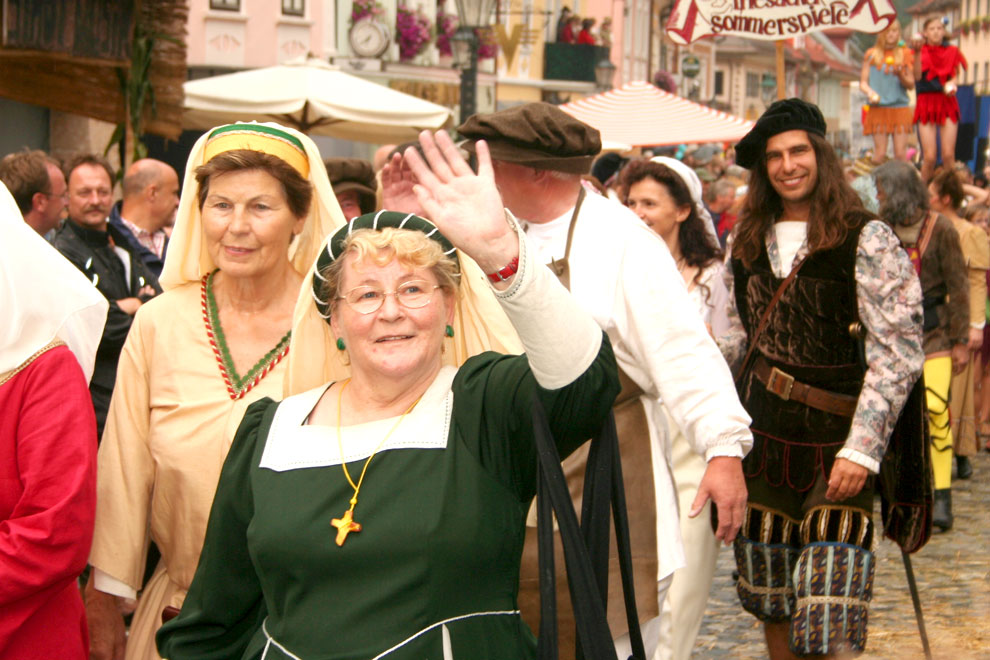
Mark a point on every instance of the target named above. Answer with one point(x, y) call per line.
point(413, 31)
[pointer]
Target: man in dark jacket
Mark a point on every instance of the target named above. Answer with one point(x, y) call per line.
point(151, 196)
point(101, 253)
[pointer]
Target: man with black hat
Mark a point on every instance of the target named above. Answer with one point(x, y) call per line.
point(622, 273)
point(832, 356)
point(354, 185)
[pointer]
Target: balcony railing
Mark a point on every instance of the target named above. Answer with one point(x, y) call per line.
point(572, 61)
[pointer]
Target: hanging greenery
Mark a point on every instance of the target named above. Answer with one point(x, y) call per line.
point(138, 92)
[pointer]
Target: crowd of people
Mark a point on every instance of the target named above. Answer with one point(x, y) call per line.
point(284, 410)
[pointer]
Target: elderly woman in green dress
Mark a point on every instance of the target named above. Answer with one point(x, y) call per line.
point(381, 515)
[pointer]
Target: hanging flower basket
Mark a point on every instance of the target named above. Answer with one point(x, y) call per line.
point(964, 28)
point(986, 23)
point(413, 31)
point(446, 25)
point(362, 8)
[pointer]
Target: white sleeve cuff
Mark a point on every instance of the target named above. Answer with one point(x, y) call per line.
point(561, 339)
point(111, 585)
point(733, 445)
point(978, 326)
point(860, 459)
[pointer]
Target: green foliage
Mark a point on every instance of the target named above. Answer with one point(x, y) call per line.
point(137, 90)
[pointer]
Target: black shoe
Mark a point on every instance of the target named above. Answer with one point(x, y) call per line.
point(942, 511)
point(964, 469)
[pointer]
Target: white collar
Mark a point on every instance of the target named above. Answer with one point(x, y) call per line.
point(293, 445)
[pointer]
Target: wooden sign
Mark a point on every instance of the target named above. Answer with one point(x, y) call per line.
point(92, 29)
point(774, 19)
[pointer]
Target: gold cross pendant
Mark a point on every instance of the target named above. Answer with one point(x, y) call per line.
point(345, 525)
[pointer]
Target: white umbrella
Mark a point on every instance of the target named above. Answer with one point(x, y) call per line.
point(313, 97)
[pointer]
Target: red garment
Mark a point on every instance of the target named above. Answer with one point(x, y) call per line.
point(585, 37)
point(567, 34)
point(936, 108)
point(941, 61)
point(47, 508)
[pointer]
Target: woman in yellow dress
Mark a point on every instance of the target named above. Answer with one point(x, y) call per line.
point(255, 208)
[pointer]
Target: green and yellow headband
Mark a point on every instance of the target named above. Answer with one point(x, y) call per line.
point(258, 137)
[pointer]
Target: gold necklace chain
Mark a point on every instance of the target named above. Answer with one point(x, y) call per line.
point(346, 524)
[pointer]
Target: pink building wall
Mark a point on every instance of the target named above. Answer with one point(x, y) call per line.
point(257, 35)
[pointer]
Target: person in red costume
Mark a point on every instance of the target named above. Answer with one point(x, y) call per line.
point(585, 36)
point(52, 323)
point(937, 109)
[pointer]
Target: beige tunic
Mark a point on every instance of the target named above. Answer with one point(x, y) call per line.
point(976, 253)
point(170, 424)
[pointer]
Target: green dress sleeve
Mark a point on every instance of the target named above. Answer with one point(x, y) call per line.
point(493, 396)
point(224, 607)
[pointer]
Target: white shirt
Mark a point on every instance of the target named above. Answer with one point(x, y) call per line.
point(623, 275)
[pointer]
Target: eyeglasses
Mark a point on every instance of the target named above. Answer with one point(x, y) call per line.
point(367, 299)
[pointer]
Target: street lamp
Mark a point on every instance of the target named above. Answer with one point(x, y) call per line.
point(604, 72)
point(768, 88)
point(472, 15)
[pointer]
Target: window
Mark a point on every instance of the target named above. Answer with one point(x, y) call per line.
point(226, 5)
point(719, 83)
point(752, 85)
point(294, 7)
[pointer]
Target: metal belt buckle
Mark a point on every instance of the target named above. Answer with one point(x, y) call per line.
point(780, 383)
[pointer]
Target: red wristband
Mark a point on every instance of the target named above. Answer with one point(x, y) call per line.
point(505, 273)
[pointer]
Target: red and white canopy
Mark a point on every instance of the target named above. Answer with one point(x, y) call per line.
point(641, 114)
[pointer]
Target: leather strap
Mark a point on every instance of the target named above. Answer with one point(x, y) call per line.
point(561, 267)
point(766, 319)
point(783, 385)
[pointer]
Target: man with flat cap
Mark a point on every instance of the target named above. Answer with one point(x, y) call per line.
point(825, 312)
point(354, 185)
point(623, 274)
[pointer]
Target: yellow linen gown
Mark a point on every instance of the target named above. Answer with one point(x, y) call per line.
point(170, 425)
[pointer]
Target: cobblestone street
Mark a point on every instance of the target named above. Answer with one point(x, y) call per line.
point(953, 574)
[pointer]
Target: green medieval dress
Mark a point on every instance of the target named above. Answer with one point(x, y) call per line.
point(435, 570)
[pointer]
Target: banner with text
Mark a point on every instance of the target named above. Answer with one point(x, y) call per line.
point(774, 19)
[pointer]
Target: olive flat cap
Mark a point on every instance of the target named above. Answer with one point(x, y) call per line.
point(537, 135)
point(787, 115)
point(353, 174)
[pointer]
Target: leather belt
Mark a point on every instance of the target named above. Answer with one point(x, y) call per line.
point(783, 385)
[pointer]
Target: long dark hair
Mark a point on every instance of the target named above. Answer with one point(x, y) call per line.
point(699, 247)
point(835, 207)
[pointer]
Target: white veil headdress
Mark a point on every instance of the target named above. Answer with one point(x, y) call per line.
point(43, 296)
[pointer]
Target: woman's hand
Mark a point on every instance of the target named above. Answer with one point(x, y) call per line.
point(465, 206)
point(107, 638)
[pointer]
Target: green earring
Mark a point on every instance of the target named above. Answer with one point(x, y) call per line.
point(449, 331)
point(340, 344)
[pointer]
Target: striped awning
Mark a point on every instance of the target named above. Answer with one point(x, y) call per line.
point(641, 114)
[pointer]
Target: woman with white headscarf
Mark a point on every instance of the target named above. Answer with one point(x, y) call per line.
point(666, 195)
point(255, 207)
point(52, 323)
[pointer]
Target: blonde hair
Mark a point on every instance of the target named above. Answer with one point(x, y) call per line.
point(410, 247)
point(877, 52)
